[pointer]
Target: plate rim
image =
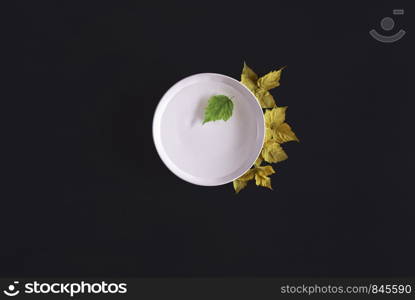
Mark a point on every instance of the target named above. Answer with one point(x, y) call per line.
point(164, 100)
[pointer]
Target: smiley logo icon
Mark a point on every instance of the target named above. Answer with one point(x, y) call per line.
point(387, 24)
point(11, 290)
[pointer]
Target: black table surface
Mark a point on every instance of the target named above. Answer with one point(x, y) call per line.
point(86, 193)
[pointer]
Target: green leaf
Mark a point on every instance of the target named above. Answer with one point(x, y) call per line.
point(219, 107)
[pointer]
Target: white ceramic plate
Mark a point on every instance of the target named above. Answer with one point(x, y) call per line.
point(214, 153)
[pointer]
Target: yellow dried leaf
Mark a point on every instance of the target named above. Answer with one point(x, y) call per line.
point(275, 127)
point(258, 161)
point(270, 80)
point(249, 78)
point(283, 134)
point(247, 72)
point(272, 152)
point(238, 185)
point(275, 117)
point(268, 134)
point(251, 85)
point(259, 173)
point(269, 100)
point(263, 181)
point(264, 171)
point(261, 176)
point(248, 175)
point(241, 182)
point(265, 98)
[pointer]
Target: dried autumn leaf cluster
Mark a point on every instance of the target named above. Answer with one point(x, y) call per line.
point(277, 131)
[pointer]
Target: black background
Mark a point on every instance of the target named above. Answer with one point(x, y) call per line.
point(86, 193)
